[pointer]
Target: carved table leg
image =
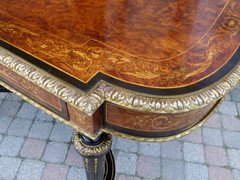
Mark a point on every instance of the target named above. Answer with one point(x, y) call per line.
point(97, 157)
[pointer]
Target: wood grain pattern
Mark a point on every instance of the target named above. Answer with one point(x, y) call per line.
point(152, 122)
point(90, 124)
point(162, 44)
point(34, 92)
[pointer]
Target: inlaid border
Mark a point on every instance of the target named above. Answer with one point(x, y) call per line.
point(89, 103)
point(225, 37)
point(167, 138)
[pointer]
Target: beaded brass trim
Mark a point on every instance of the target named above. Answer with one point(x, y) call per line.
point(87, 165)
point(149, 69)
point(144, 139)
point(89, 103)
point(86, 103)
point(168, 138)
point(97, 150)
point(95, 166)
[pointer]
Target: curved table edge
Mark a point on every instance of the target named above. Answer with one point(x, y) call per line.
point(89, 103)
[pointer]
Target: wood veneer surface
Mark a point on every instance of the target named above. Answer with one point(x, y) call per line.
point(116, 116)
point(157, 44)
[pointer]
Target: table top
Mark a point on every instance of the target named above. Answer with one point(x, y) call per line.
point(158, 48)
point(160, 68)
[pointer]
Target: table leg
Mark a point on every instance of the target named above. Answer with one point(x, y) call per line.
point(97, 157)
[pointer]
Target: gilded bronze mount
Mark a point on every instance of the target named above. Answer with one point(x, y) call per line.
point(103, 91)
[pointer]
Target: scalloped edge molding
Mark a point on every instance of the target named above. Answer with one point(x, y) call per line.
point(89, 103)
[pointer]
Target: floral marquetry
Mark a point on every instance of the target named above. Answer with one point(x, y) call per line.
point(128, 67)
point(162, 44)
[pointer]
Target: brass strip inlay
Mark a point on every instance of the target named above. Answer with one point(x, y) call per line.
point(217, 18)
point(200, 70)
point(95, 166)
point(108, 92)
point(168, 138)
point(24, 22)
point(148, 121)
point(220, 13)
point(87, 165)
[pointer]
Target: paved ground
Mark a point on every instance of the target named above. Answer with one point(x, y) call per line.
point(35, 146)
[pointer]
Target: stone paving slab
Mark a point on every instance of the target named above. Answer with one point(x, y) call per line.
point(33, 148)
point(212, 136)
point(9, 167)
point(9, 108)
point(150, 149)
point(58, 135)
point(36, 168)
point(234, 158)
point(127, 145)
point(216, 156)
point(11, 146)
point(220, 173)
point(40, 130)
point(193, 152)
point(232, 139)
point(126, 163)
point(145, 163)
point(55, 152)
point(5, 122)
point(31, 138)
point(230, 123)
point(55, 172)
point(172, 150)
point(196, 171)
point(19, 127)
point(194, 137)
point(236, 174)
point(172, 169)
point(229, 107)
point(27, 111)
point(76, 173)
point(42, 116)
point(235, 95)
point(74, 158)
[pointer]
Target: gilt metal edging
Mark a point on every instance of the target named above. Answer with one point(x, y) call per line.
point(89, 103)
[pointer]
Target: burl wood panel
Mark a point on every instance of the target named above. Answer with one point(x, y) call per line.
point(90, 124)
point(33, 91)
point(159, 44)
point(152, 122)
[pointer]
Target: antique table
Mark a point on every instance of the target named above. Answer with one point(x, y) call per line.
point(143, 70)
